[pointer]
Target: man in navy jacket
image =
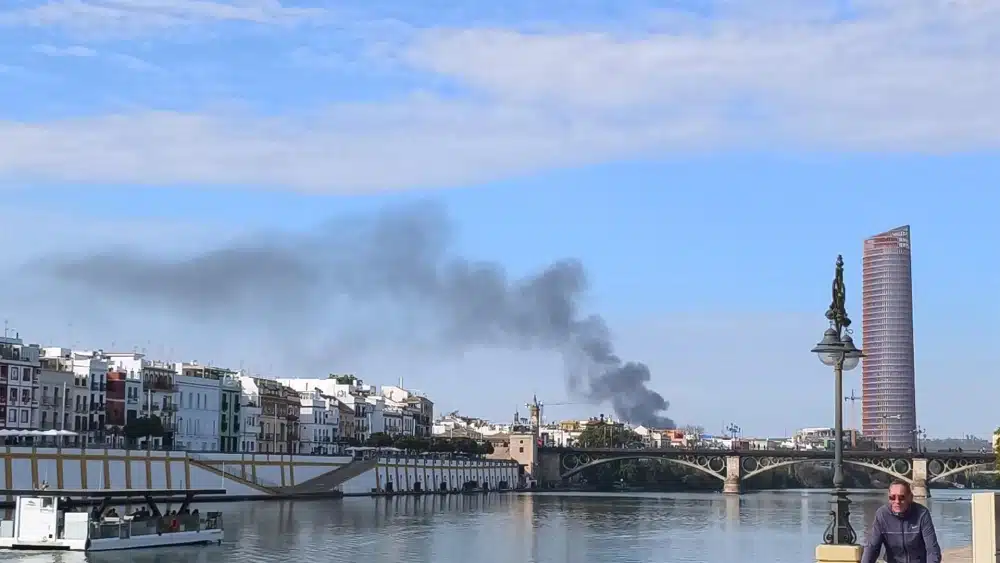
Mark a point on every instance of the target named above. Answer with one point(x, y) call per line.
point(904, 528)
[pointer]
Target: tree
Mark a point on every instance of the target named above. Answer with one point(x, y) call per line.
point(380, 440)
point(343, 379)
point(411, 444)
point(144, 427)
point(605, 435)
point(996, 446)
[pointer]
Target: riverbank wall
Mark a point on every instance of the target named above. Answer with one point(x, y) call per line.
point(409, 474)
point(241, 475)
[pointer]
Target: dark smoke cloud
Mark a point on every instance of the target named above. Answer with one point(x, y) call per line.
point(401, 262)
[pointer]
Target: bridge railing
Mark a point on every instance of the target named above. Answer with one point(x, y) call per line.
point(815, 454)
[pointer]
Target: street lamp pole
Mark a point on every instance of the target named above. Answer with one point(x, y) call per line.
point(837, 350)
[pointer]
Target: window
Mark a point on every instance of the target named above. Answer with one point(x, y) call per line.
point(15, 373)
point(12, 415)
point(521, 450)
point(13, 394)
point(24, 416)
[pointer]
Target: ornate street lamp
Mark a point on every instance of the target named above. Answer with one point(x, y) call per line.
point(837, 350)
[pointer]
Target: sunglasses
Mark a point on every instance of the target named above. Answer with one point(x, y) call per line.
point(897, 497)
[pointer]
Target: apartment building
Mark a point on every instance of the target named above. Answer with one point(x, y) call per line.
point(250, 429)
point(152, 391)
point(90, 370)
point(115, 407)
point(199, 406)
point(56, 404)
point(230, 411)
point(363, 399)
point(19, 377)
point(407, 413)
point(346, 426)
point(289, 405)
point(271, 438)
point(319, 420)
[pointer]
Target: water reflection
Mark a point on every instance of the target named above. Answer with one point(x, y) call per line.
point(544, 528)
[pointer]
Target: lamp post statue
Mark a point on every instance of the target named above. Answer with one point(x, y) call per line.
point(837, 350)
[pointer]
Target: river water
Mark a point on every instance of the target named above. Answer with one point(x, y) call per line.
point(780, 527)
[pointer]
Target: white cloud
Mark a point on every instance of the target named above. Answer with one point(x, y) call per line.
point(131, 17)
point(897, 75)
point(74, 51)
point(422, 141)
point(134, 63)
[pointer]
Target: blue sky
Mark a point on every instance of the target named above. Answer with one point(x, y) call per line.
point(706, 161)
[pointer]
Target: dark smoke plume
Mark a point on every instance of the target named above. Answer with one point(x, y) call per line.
point(402, 261)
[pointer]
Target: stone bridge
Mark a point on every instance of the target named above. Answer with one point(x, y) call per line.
point(733, 467)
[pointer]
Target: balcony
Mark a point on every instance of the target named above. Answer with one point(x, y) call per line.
point(10, 353)
point(169, 407)
point(132, 400)
point(95, 406)
point(168, 426)
point(291, 416)
point(161, 384)
point(48, 401)
point(81, 408)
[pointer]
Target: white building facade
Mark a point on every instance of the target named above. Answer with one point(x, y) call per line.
point(250, 411)
point(90, 371)
point(319, 423)
point(355, 394)
point(56, 412)
point(198, 400)
point(400, 412)
point(19, 367)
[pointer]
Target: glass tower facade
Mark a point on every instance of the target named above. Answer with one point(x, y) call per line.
point(888, 404)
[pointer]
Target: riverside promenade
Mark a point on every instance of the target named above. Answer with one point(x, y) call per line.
point(958, 555)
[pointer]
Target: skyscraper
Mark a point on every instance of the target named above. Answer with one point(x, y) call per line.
point(888, 404)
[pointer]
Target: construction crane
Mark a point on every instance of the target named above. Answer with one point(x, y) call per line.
point(535, 408)
point(854, 411)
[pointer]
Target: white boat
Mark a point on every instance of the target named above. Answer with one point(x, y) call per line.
point(56, 520)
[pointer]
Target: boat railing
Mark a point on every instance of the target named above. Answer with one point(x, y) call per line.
point(129, 526)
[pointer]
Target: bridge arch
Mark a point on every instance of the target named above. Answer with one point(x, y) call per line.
point(949, 471)
point(714, 466)
point(897, 469)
